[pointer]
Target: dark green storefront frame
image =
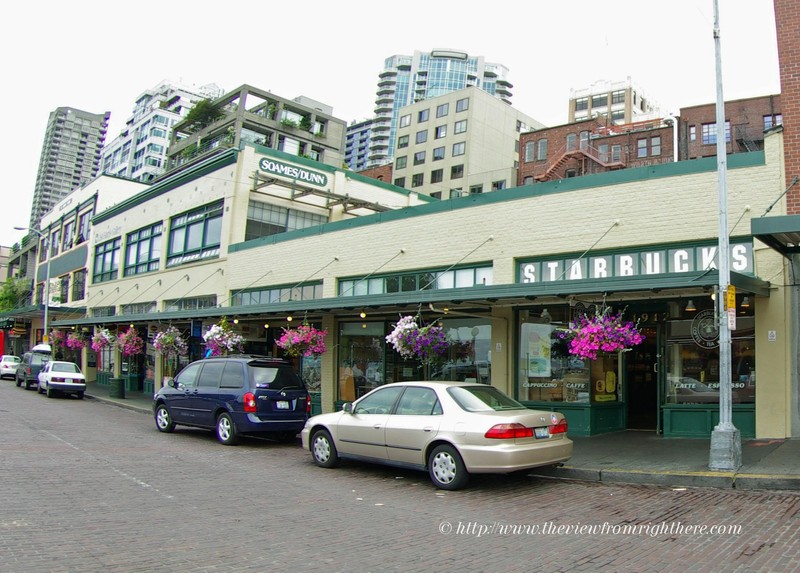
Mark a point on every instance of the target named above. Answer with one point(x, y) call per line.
point(585, 419)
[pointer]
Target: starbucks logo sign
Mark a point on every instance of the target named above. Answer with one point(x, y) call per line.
point(705, 329)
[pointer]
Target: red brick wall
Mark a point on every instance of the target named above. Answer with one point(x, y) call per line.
point(787, 22)
point(746, 117)
point(381, 173)
point(626, 136)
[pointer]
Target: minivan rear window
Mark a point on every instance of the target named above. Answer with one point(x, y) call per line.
point(275, 378)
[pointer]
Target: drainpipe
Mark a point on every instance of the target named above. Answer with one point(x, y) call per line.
point(673, 121)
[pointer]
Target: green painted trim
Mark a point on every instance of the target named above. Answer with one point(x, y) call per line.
point(73, 260)
point(223, 159)
point(632, 175)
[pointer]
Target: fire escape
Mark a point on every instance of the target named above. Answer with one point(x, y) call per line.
point(584, 151)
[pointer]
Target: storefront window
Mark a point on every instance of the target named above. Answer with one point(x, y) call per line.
point(693, 372)
point(361, 358)
point(469, 358)
point(549, 373)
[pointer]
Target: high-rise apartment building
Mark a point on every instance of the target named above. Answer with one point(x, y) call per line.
point(139, 152)
point(356, 146)
point(70, 156)
point(409, 79)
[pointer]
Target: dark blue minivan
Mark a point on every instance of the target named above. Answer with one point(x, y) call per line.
point(235, 395)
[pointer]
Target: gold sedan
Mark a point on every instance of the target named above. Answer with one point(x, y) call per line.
point(450, 429)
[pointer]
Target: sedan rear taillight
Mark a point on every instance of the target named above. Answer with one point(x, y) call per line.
point(508, 432)
point(250, 402)
point(57, 379)
point(560, 428)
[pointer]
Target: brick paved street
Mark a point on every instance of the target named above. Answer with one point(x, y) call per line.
point(89, 487)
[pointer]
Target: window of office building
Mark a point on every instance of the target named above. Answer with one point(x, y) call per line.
point(401, 162)
point(405, 120)
point(475, 189)
point(264, 219)
point(437, 175)
point(541, 150)
point(641, 147)
point(459, 148)
point(460, 127)
point(400, 181)
point(462, 105)
point(498, 185)
point(195, 235)
point(709, 133)
point(442, 110)
point(457, 171)
point(143, 250)
point(418, 179)
point(530, 147)
point(79, 285)
point(419, 158)
point(423, 115)
point(618, 96)
point(655, 145)
point(402, 141)
point(422, 136)
point(438, 153)
point(582, 104)
point(599, 100)
point(441, 132)
point(106, 261)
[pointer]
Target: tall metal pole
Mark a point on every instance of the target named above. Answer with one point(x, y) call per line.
point(45, 335)
point(726, 445)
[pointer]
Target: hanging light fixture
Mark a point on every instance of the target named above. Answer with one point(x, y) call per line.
point(363, 314)
point(746, 302)
point(690, 307)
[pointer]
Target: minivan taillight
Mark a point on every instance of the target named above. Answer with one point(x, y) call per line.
point(250, 402)
point(308, 404)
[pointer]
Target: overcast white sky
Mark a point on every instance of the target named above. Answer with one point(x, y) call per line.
point(100, 55)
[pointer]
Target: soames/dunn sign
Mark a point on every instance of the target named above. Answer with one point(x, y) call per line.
point(293, 171)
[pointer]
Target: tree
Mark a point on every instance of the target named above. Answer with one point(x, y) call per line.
point(203, 114)
point(13, 292)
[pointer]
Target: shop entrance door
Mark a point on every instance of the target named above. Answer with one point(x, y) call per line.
point(641, 381)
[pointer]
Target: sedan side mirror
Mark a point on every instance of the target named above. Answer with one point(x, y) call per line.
point(347, 407)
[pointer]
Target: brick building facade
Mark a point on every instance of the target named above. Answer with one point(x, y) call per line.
point(787, 22)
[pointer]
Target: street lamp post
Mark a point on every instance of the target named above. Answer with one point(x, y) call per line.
point(45, 336)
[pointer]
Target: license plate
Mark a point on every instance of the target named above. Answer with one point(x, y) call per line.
point(541, 432)
point(284, 405)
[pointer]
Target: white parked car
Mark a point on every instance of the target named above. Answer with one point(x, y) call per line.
point(64, 377)
point(8, 365)
point(449, 429)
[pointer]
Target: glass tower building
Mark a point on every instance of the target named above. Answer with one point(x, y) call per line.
point(408, 79)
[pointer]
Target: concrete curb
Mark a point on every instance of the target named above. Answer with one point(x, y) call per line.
point(131, 407)
point(721, 480)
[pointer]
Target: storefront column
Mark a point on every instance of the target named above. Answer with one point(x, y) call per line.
point(502, 355)
point(328, 382)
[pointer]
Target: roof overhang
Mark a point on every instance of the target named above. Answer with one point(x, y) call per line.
point(781, 233)
point(481, 298)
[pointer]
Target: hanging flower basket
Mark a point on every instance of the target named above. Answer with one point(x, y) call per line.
point(169, 343)
point(57, 339)
point(426, 343)
point(102, 338)
point(130, 343)
point(602, 332)
point(305, 340)
point(221, 339)
point(76, 341)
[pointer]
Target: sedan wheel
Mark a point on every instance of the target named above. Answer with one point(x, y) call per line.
point(446, 468)
point(50, 392)
point(324, 450)
point(164, 421)
point(226, 430)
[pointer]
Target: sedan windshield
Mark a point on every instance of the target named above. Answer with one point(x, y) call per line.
point(482, 399)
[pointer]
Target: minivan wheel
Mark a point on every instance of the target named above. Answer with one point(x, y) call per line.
point(27, 384)
point(19, 382)
point(323, 450)
point(164, 421)
point(226, 430)
point(446, 468)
